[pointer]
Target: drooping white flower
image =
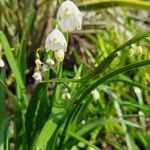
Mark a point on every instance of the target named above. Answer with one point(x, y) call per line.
point(50, 62)
point(59, 55)
point(69, 17)
point(2, 64)
point(37, 76)
point(56, 41)
point(44, 68)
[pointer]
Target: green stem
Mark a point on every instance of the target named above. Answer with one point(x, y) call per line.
point(57, 89)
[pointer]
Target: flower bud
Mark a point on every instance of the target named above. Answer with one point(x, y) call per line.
point(38, 63)
point(95, 94)
point(66, 95)
point(59, 55)
point(56, 41)
point(2, 64)
point(37, 76)
point(50, 62)
point(69, 17)
point(136, 50)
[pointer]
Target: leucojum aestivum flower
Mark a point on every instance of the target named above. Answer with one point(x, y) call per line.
point(69, 19)
point(56, 42)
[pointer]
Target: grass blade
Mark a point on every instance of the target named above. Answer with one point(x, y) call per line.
point(81, 139)
point(113, 74)
point(50, 126)
point(31, 111)
point(3, 132)
point(11, 60)
point(98, 4)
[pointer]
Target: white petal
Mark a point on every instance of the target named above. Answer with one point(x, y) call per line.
point(69, 17)
point(44, 68)
point(37, 76)
point(78, 22)
point(50, 61)
point(56, 41)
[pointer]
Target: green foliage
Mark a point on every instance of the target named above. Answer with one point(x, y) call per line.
point(3, 132)
point(62, 112)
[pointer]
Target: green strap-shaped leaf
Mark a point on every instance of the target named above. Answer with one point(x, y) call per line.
point(31, 110)
point(130, 83)
point(81, 139)
point(11, 60)
point(113, 74)
point(3, 133)
point(50, 127)
point(99, 4)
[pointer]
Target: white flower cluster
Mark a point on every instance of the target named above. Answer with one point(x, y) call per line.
point(69, 19)
point(42, 68)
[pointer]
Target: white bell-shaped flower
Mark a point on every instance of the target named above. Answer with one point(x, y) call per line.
point(44, 68)
point(56, 41)
point(2, 64)
point(37, 76)
point(69, 17)
point(59, 55)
